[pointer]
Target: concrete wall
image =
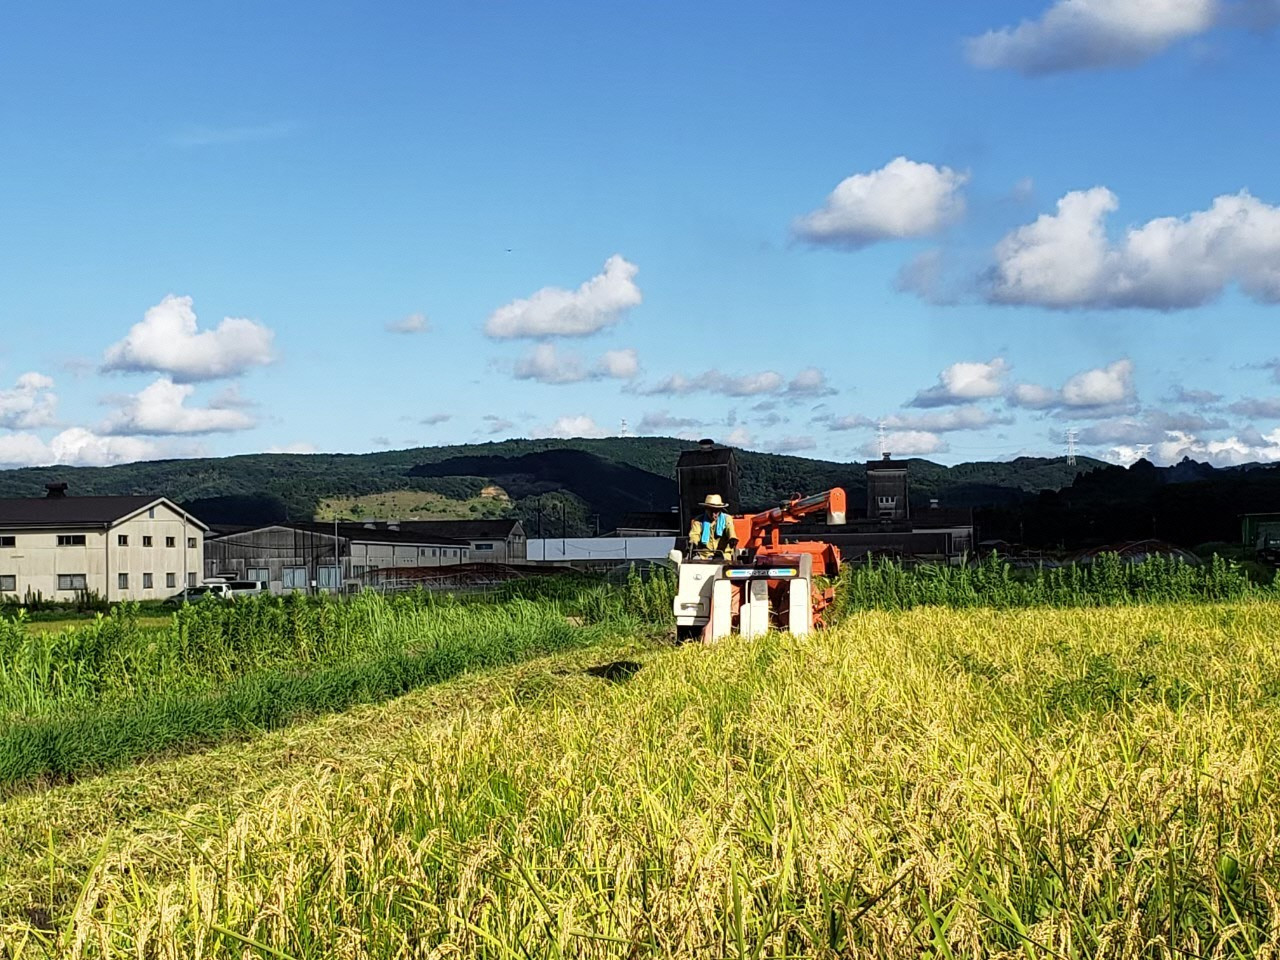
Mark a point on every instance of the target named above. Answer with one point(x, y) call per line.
point(35, 561)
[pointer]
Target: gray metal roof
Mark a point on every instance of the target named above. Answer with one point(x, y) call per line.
point(356, 532)
point(459, 529)
point(18, 513)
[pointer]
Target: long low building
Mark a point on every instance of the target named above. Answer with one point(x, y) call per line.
point(306, 556)
point(491, 540)
point(120, 548)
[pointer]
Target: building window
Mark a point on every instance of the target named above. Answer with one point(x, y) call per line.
point(122, 581)
point(151, 513)
point(294, 578)
point(8, 583)
point(327, 578)
point(170, 580)
point(122, 540)
point(146, 541)
point(71, 539)
point(260, 574)
point(170, 541)
point(357, 571)
point(483, 546)
point(191, 543)
point(72, 581)
point(191, 579)
point(433, 551)
point(146, 581)
point(8, 541)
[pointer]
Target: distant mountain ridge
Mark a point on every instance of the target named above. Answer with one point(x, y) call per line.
point(586, 483)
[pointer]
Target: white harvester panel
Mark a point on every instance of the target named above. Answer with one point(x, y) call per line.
point(754, 621)
point(721, 609)
point(712, 596)
point(800, 598)
point(693, 594)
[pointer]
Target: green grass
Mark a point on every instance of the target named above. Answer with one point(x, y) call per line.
point(91, 698)
point(939, 783)
point(1108, 581)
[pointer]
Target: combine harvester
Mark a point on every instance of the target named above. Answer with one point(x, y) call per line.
point(767, 585)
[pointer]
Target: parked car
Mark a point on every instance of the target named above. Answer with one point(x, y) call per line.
point(218, 589)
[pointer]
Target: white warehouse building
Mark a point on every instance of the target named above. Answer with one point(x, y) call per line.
point(121, 548)
point(301, 556)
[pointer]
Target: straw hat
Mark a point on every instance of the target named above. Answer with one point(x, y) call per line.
point(715, 500)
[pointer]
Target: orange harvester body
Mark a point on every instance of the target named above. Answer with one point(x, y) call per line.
point(760, 533)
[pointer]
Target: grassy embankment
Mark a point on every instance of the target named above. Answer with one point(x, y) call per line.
point(1023, 783)
point(415, 505)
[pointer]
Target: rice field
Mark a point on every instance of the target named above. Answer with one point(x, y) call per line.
point(1089, 782)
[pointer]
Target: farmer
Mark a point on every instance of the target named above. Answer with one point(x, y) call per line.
point(711, 534)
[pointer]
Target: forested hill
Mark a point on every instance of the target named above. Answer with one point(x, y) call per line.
point(589, 478)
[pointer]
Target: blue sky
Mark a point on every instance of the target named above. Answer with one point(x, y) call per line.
point(978, 224)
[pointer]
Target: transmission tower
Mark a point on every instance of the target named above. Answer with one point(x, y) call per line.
point(626, 429)
point(882, 438)
point(1071, 447)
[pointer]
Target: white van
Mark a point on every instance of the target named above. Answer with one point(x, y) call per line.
point(223, 589)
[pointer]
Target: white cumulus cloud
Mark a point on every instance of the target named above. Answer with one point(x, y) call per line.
point(809, 382)
point(853, 421)
point(31, 403)
point(546, 364)
point(907, 443)
point(555, 312)
point(1095, 392)
point(1065, 260)
point(74, 446)
point(968, 417)
point(1263, 448)
point(579, 425)
point(167, 340)
point(1082, 34)
point(161, 409)
point(964, 382)
point(660, 421)
point(901, 199)
point(619, 364)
